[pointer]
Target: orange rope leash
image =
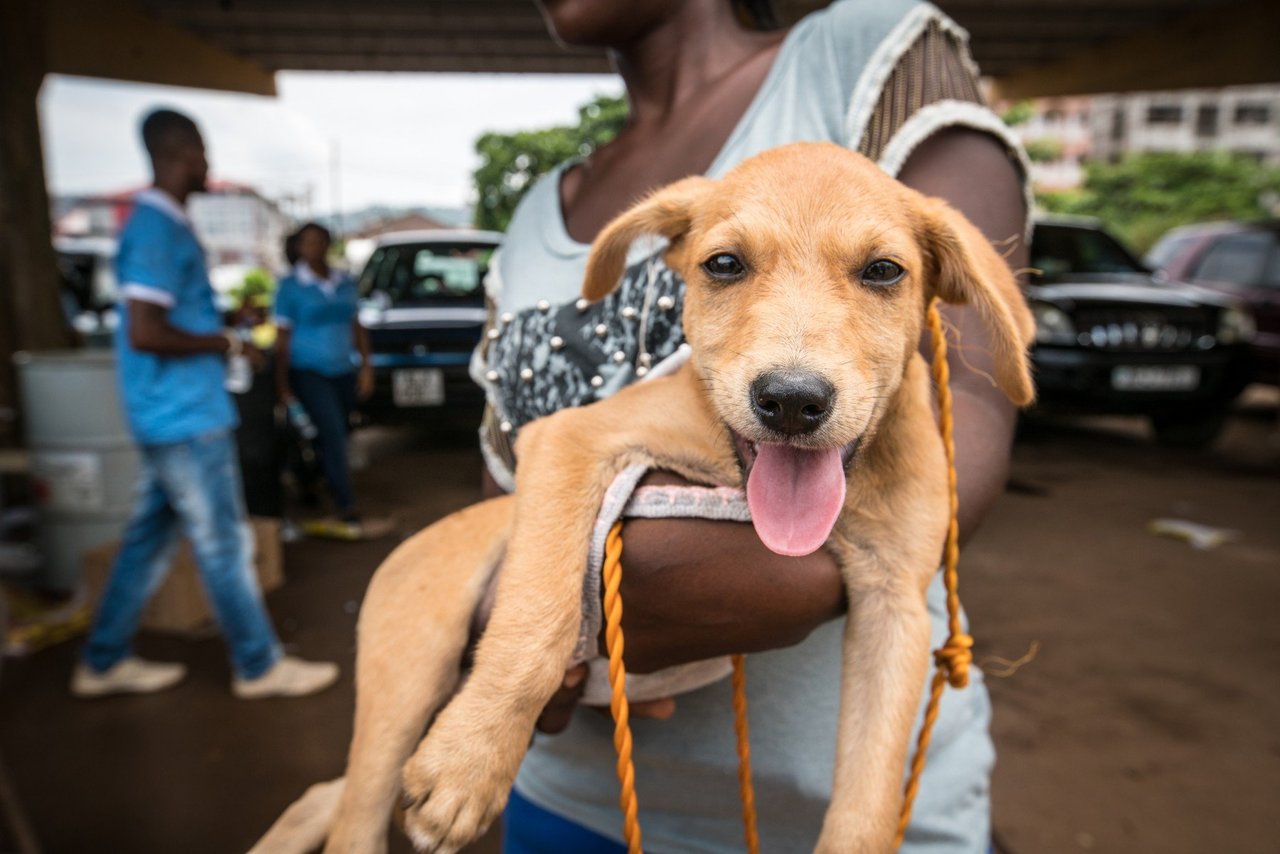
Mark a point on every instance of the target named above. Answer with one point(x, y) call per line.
point(618, 688)
point(746, 791)
point(955, 656)
point(952, 659)
point(621, 710)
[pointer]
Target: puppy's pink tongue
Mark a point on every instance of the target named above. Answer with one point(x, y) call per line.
point(795, 497)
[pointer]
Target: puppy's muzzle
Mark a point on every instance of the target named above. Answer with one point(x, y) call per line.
point(791, 403)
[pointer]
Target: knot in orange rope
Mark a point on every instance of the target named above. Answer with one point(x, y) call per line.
point(954, 657)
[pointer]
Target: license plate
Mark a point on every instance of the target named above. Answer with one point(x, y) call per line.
point(1155, 377)
point(417, 387)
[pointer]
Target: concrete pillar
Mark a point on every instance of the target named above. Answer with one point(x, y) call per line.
point(30, 312)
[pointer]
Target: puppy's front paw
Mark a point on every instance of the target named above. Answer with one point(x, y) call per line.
point(453, 790)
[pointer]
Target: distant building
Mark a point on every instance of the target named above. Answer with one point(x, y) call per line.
point(1243, 119)
point(1059, 125)
point(236, 224)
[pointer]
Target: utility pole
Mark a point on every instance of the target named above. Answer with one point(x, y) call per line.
point(335, 187)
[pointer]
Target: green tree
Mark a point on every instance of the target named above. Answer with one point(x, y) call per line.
point(1144, 195)
point(256, 289)
point(1018, 112)
point(512, 162)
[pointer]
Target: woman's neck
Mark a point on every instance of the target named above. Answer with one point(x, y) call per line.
point(698, 45)
point(320, 268)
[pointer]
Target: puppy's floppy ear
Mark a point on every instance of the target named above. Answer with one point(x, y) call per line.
point(667, 212)
point(967, 270)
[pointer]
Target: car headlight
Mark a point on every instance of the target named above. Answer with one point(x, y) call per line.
point(1235, 325)
point(1053, 325)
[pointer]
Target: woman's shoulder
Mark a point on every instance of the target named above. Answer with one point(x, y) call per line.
point(861, 40)
point(862, 26)
point(840, 56)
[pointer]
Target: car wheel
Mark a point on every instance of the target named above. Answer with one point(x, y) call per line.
point(1188, 430)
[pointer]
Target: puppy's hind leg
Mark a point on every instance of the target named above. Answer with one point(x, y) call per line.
point(411, 637)
point(305, 824)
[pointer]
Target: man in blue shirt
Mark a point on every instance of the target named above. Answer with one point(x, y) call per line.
point(171, 347)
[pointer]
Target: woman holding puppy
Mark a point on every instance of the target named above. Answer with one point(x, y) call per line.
point(710, 83)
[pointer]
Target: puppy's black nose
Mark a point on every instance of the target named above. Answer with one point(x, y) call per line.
point(791, 403)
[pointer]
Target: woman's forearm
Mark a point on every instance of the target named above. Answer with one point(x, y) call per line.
point(697, 589)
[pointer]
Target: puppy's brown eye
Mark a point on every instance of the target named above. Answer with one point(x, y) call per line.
point(725, 267)
point(882, 273)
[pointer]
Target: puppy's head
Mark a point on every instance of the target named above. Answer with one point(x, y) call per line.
point(808, 271)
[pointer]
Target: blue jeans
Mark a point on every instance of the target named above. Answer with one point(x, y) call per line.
point(192, 487)
point(329, 402)
point(529, 829)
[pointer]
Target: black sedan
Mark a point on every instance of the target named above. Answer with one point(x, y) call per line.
point(1110, 339)
point(422, 300)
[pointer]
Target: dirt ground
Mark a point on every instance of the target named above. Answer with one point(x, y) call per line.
point(1145, 722)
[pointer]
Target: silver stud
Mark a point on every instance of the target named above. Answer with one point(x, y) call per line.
point(556, 342)
point(507, 317)
point(601, 330)
point(641, 371)
point(619, 357)
point(493, 333)
point(666, 303)
point(597, 381)
point(544, 306)
point(646, 359)
point(526, 374)
point(629, 312)
point(491, 376)
point(581, 304)
point(505, 426)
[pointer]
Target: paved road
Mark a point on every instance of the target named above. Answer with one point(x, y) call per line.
point(1145, 723)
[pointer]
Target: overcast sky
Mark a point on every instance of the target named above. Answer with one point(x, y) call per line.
point(400, 139)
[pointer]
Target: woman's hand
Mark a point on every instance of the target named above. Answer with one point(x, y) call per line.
point(558, 711)
point(365, 382)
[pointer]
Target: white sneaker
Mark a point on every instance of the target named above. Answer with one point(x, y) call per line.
point(289, 677)
point(131, 675)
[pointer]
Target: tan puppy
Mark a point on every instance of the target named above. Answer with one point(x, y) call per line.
point(808, 273)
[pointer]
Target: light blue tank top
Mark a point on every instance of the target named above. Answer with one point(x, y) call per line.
point(824, 84)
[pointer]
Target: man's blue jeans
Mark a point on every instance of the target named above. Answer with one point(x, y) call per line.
point(192, 487)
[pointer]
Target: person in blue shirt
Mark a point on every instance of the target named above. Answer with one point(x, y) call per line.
point(171, 348)
point(319, 333)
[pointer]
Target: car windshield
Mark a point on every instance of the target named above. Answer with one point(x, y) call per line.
point(1061, 250)
point(417, 273)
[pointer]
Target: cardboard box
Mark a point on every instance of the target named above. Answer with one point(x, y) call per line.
point(180, 604)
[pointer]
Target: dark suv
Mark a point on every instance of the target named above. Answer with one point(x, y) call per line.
point(1110, 339)
point(1241, 259)
point(422, 300)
